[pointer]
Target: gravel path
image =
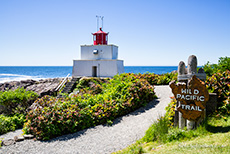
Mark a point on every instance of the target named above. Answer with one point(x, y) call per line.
point(100, 139)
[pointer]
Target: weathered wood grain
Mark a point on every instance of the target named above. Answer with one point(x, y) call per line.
point(192, 98)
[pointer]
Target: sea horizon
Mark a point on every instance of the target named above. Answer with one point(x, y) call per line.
point(18, 73)
point(72, 66)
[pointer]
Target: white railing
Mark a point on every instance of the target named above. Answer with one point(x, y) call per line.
point(62, 83)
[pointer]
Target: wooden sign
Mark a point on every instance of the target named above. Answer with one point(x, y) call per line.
point(192, 98)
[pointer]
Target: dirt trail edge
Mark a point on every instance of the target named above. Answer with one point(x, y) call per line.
point(100, 139)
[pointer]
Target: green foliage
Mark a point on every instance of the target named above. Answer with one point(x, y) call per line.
point(176, 134)
point(91, 106)
point(179, 134)
point(17, 101)
point(10, 123)
point(210, 69)
point(170, 134)
point(150, 77)
point(158, 131)
point(223, 65)
point(155, 79)
point(164, 79)
point(170, 111)
point(90, 85)
point(162, 130)
point(219, 83)
point(133, 149)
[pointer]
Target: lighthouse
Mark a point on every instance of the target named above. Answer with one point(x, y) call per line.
point(99, 59)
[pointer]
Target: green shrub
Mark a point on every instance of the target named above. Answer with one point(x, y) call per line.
point(162, 133)
point(157, 131)
point(164, 79)
point(179, 134)
point(150, 77)
point(17, 101)
point(223, 65)
point(121, 95)
point(219, 83)
point(10, 123)
point(176, 134)
point(170, 111)
point(90, 85)
point(155, 79)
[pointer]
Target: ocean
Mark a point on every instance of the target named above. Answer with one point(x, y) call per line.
point(17, 73)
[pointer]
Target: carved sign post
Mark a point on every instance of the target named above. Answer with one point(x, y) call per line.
point(192, 98)
point(191, 94)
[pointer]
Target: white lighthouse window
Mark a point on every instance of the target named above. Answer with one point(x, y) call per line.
point(95, 52)
point(94, 37)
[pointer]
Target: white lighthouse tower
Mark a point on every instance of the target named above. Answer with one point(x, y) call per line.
point(99, 59)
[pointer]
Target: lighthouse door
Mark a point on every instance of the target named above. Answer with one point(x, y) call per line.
point(94, 71)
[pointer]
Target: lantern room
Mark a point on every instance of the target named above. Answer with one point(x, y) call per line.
point(100, 38)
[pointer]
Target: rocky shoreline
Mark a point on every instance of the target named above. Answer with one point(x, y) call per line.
point(41, 87)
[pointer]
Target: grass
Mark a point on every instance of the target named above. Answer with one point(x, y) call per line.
point(215, 143)
point(211, 137)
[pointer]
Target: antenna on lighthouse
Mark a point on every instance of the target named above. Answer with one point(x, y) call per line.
point(98, 24)
point(102, 22)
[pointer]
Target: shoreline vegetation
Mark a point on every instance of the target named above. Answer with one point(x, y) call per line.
point(96, 101)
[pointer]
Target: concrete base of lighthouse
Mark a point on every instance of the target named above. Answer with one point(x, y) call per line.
point(97, 68)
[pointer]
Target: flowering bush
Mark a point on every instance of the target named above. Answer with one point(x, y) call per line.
point(170, 111)
point(219, 83)
point(155, 79)
point(54, 117)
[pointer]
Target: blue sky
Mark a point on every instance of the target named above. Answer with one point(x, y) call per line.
point(148, 32)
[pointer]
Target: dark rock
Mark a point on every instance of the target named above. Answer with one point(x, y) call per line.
point(201, 70)
point(42, 87)
point(19, 138)
point(211, 104)
point(28, 136)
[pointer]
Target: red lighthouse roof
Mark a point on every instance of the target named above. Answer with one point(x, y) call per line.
point(100, 37)
point(99, 32)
